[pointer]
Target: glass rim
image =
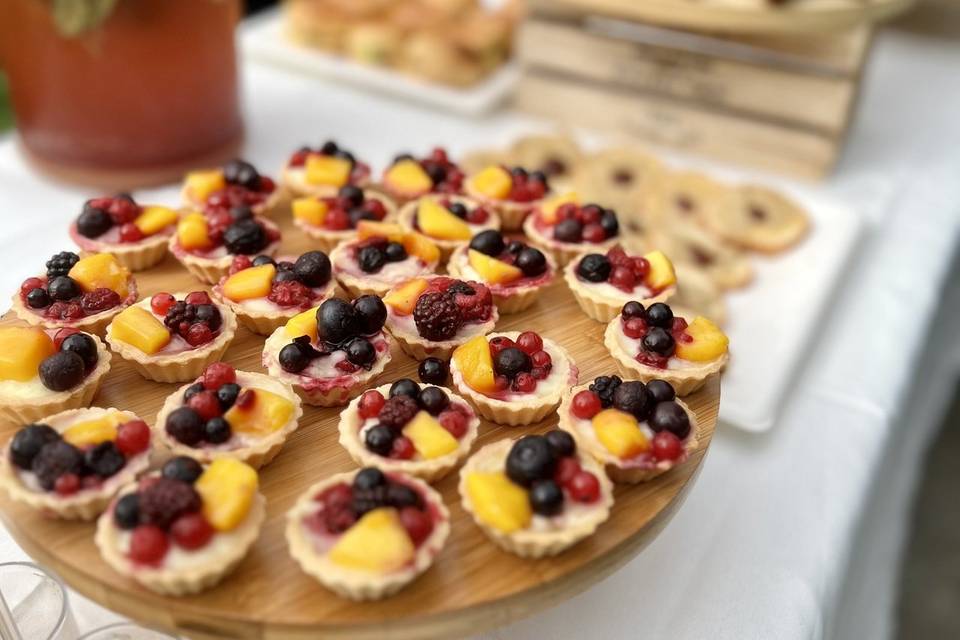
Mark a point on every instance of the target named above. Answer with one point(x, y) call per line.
point(119, 625)
point(64, 602)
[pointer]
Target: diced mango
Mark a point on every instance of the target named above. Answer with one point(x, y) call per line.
point(548, 210)
point(403, 298)
point(22, 349)
point(101, 270)
point(227, 488)
point(328, 170)
point(302, 324)
point(661, 273)
point(154, 219)
point(498, 501)
point(474, 361)
point(250, 283)
point(437, 221)
point(493, 182)
point(419, 245)
point(492, 270)
point(619, 433)
point(261, 416)
point(377, 543)
point(429, 438)
point(409, 177)
point(709, 342)
point(193, 232)
point(93, 432)
point(140, 329)
point(371, 229)
point(310, 210)
point(200, 184)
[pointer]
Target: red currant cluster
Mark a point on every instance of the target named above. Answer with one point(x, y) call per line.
point(587, 223)
point(527, 187)
point(519, 364)
point(195, 318)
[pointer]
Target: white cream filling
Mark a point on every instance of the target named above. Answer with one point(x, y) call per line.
point(606, 289)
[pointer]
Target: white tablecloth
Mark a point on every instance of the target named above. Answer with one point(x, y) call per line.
point(791, 534)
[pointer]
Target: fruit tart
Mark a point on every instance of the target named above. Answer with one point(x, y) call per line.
point(512, 378)
point(758, 219)
point(227, 413)
point(407, 178)
point(182, 530)
point(536, 496)
point(172, 337)
point(636, 431)
point(602, 284)
point(330, 354)
point(330, 220)
point(512, 193)
point(323, 171)
point(433, 316)
point(382, 256)
point(514, 271)
point(450, 221)
point(81, 293)
point(421, 430)
point(654, 343)
point(567, 229)
point(44, 371)
point(206, 244)
point(135, 235)
point(72, 463)
point(236, 184)
point(264, 293)
point(366, 534)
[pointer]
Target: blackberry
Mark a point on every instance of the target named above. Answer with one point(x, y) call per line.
point(371, 259)
point(394, 252)
point(54, 460)
point(60, 264)
point(379, 439)
point(127, 512)
point(61, 371)
point(167, 499)
point(182, 468)
point(105, 459)
point(398, 411)
point(437, 316)
point(242, 173)
point(175, 315)
point(245, 237)
point(63, 288)
point(594, 268)
point(28, 442)
point(604, 386)
point(633, 397)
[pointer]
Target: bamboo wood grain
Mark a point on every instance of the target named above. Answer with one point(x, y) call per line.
point(473, 586)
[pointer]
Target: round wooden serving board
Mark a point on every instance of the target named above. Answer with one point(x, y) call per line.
point(472, 586)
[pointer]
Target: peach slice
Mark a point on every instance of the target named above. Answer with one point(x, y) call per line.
point(493, 182)
point(498, 502)
point(250, 283)
point(619, 433)
point(261, 416)
point(419, 245)
point(439, 222)
point(227, 488)
point(403, 298)
point(493, 270)
point(310, 210)
point(474, 361)
point(429, 438)
point(661, 273)
point(377, 543)
point(93, 432)
point(303, 324)
point(22, 349)
point(193, 232)
point(408, 176)
point(328, 170)
point(709, 342)
point(200, 184)
point(101, 271)
point(370, 229)
point(154, 219)
point(140, 329)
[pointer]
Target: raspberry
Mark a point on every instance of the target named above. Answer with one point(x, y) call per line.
point(290, 293)
point(623, 278)
point(64, 311)
point(530, 343)
point(133, 437)
point(667, 446)
point(370, 404)
point(634, 328)
point(418, 524)
point(586, 404)
point(62, 335)
point(437, 316)
point(148, 544)
point(336, 497)
point(619, 258)
point(218, 374)
point(454, 422)
point(541, 359)
point(69, 483)
point(398, 411)
point(198, 334)
point(166, 500)
point(160, 303)
point(402, 448)
point(122, 210)
point(604, 386)
point(498, 344)
point(130, 233)
point(584, 487)
point(473, 299)
point(524, 383)
point(205, 403)
point(567, 467)
point(191, 531)
point(197, 297)
point(99, 300)
point(240, 263)
point(267, 185)
point(29, 285)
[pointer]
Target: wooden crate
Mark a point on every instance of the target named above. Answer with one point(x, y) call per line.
point(779, 103)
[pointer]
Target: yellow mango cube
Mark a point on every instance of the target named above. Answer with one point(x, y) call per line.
point(492, 270)
point(619, 433)
point(140, 329)
point(709, 342)
point(263, 415)
point(377, 543)
point(328, 170)
point(302, 324)
point(493, 182)
point(93, 432)
point(193, 232)
point(498, 501)
point(22, 349)
point(201, 184)
point(310, 210)
point(661, 273)
point(99, 271)
point(409, 177)
point(250, 283)
point(474, 361)
point(429, 438)
point(154, 219)
point(227, 488)
point(437, 221)
point(403, 298)
point(419, 245)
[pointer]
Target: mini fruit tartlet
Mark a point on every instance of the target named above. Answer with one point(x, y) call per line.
point(433, 316)
point(72, 464)
point(512, 193)
point(330, 220)
point(135, 235)
point(172, 337)
point(407, 178)
point(229, 414)
point(382, 256)
point(602, 284)
point(653, 343)
point(567, 229)
point(636, 431)
point(512, 378)
point(236, 185)
point(82, 293)
point(206, 244)
point(330, 354)
point(264, 293)
point(182, 530)
point(536, 496)
point(323, 171)
point(421, 430)
point(514, 271)
point(44, 371)
point(450, 221)
point(366, 534)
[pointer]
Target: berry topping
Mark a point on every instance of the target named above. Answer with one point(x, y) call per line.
point(67, 484)
point(632, 397)
point(242, 173)
point(167, 499)
point(433, 400)
point(99, 300)
point(104, 459)
point(395, 252)
point(489, 242)
point(659, 315)
point(148, 545)
point(62, 371)
point(285, 291)
point(670, 416)
point(569, 230)
point(126, 513)
point(511, 361)
point(368, 478)
point(594, 268)
point(667, 446)
point(661, 390)
point(191, 531)
point(604, 387)
point(433, 371)
point(454, 422)
point(61, 263)
point(93, 222)
point(55, 459)
point(371, 314)
point(417, 523)
point(313, 268)
point(246, 237)
point(295, 357)
point(205, 404)
point(531, 261)
point(197, 298)
point(337, 321)
point(63, 288)
point(182, 468)
point(584, 487)
point(38, 298)
point(160, 303)
point(370, 404)
point(659, 341)
point(437, 316)
point(405, 387)
point(633, 309)
point(28, 442)
point(530, 459)
point(130, 232)
point(133, 437)
point(217, 430)
point(546, 498)
point(81, 344)
point(218, 374)
point(529, 342)
point(185, 425)
point(227, 395)
point(398, 411)
point(361, 352)
point(561, 443)
point(371, 258)
point(379, 439)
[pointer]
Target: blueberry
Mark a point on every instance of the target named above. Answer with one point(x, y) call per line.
point(561, 443)
point(546, 498)
point(531, 261)
point(405, 387)
point(185, 425)
point(371, 314)
point(358, 214)
point(609, 223)
point(569, 230)
point(395, 252)
point(28, 441)
point(209, 315)
point(93, 222)
point(400, 496)
point(126, 514)
point(104, 459)
point(433, 371)
point(82, 345)
point(241, 212)
point(633, 397)
point(529, 460)
point(659, 315)
point(594, 267)
point(329, 148)
point(632, 309)
point(518, 172)
point(371, 259)
point(313, 268)
point(368, 478)
point(245, 237)
point(294, 358)
point(458, 209)
point(285, 265)
point(346, 155)
point(488, 242)
point(403, 156)
point(351, 193)
point(337, 321)
point(512, 361)
point(433, 400)
point(38, 298)
point(63, 288)
point(514, 247)
point(671, 417)
point(241, 173)
point(360, 352)
point(661, 391)
point(192, 390)
point(659, 341)
point(227, 394)
point(61, 371)
point(216, 430)
point(285, 276)
point(182, 468)
point(54, 460)
point(261, 260)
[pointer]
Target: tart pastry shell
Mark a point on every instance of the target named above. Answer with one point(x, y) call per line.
point(137, 256)
point(266, 322)
point(602, 307)
point(96, 324)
